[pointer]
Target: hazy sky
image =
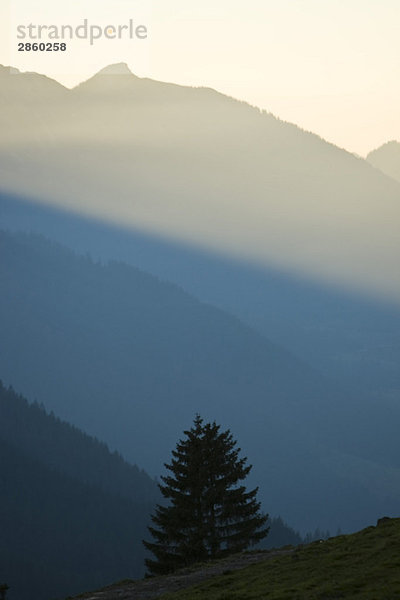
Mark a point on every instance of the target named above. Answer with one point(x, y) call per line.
point(331, 66)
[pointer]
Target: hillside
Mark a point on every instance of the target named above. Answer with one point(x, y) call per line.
point(387, 159)
point(62, 447)
point(58, 535)
point(72, 515)
point(364, 565)
point(199, 167)
point(117, 352)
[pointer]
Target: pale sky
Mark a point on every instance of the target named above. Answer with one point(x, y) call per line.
point(330, 66)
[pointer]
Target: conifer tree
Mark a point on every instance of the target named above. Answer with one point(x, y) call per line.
point(208, 513)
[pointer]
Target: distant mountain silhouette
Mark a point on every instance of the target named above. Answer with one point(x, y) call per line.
point(352, 339)
point(131, 359)
point(387, 159)
point(28, 87)
point(200, 167)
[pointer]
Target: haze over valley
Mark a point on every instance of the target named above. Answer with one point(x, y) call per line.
point(167, 251)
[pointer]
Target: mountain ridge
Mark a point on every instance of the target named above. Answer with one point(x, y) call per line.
point(386, 158)
point(47, 439)
point(197, 166)
point(348, 337)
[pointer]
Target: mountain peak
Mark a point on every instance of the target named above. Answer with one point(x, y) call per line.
point(387, 159)
point(116, 69)
point(102, 83)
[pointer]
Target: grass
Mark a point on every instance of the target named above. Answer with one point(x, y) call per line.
point(362, 566)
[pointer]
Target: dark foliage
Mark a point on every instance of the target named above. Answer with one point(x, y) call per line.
point(210, 514)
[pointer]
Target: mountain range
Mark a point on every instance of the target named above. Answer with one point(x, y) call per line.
point(190, 185)
point(254, 279)
point(352, 339)
point(199, 167)
point(131, 359)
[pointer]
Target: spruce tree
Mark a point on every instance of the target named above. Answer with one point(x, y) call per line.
point(208, 513)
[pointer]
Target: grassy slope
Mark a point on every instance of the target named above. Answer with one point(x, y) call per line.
point(364, 565)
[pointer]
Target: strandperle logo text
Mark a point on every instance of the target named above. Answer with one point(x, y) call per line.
point(84, 31)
